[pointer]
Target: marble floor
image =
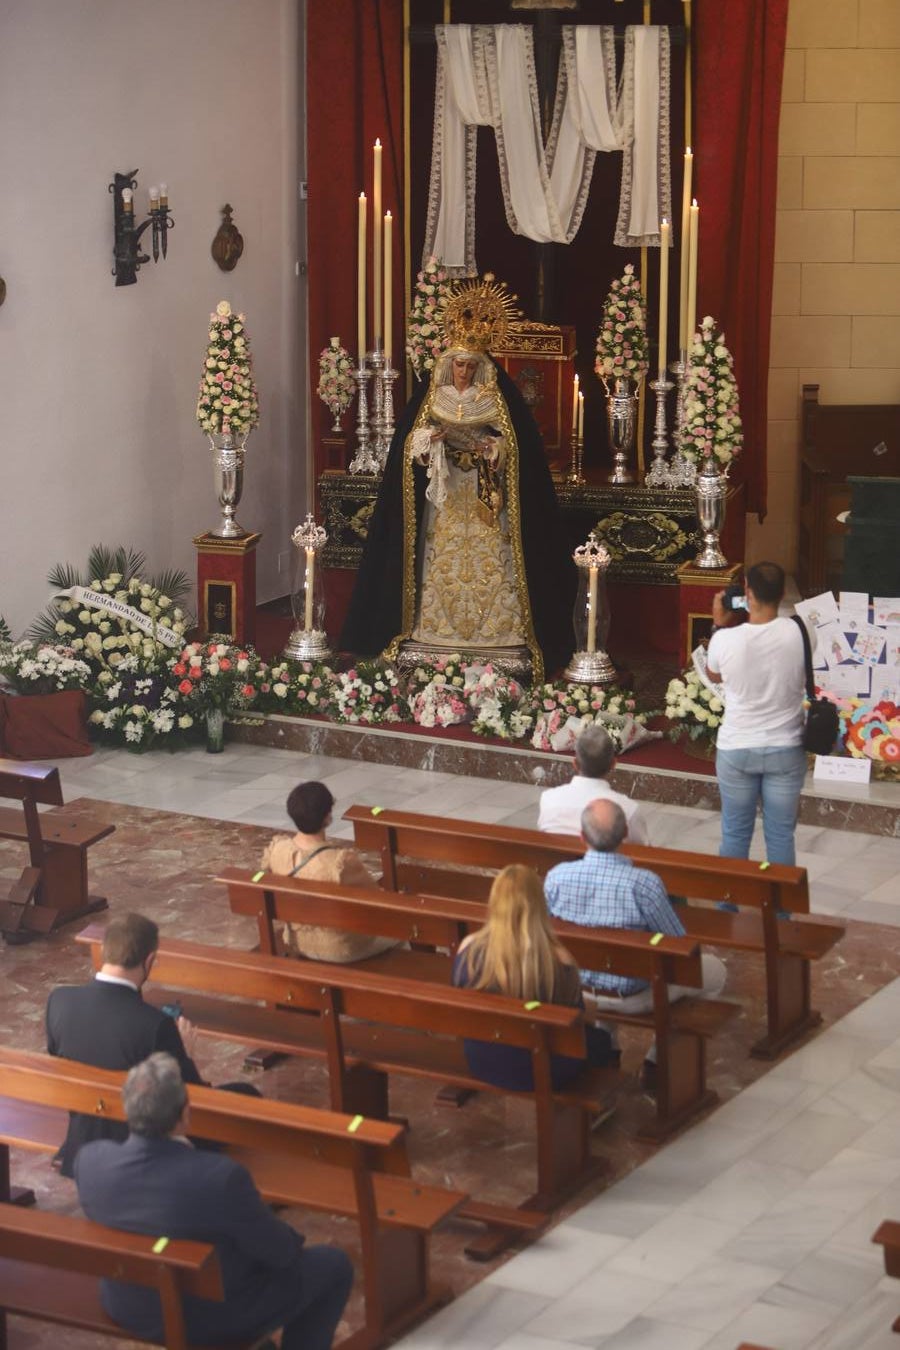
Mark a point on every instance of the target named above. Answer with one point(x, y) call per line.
point(754, 1225)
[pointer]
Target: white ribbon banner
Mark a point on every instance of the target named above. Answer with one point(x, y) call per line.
point(82, 595)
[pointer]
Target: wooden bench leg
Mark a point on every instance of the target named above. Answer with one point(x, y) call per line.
point(681, 1091)
point(361, 1090)
point(12, 1195)
point(395, 1277)
point(788, 1004)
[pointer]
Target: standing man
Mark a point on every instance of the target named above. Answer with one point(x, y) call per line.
point(157, 1183)
point(759, 749)
point(604, 889)
point(595, 759)
point(108, 1025)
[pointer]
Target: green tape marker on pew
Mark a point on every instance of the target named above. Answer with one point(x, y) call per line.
point(377, 810)
point(355, 1124)
point(656, 939)
point(530, 1007)
point(160, 1245)
point(258, 876)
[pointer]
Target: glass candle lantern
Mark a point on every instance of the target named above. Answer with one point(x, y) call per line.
point(309, 640)
point(590, 617)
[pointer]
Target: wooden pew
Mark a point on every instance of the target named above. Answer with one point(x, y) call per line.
point(787, 948)
point(368, 1026)
point(53, 889)
point(297, 1156)
point(51, 1266)
point(680, 1029)
point(888, 1237)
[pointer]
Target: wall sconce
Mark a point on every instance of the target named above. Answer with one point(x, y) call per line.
point(127, 257)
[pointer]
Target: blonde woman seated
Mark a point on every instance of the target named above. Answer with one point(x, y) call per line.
point(518, 954)
point(309, 854)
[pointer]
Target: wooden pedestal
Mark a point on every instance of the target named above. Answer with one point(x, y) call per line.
point(226, 586)
point(696, 588)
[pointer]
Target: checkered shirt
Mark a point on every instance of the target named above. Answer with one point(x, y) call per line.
point(606, 890)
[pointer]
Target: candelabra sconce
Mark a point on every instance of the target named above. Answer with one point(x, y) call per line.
point(309, 640)
point(127, 254)
point(590, 617)
point(658, 475)
point(386, 429)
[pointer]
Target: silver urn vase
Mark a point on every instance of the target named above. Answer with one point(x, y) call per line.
point(228, 468)
point(711, 490)
point(621, 416)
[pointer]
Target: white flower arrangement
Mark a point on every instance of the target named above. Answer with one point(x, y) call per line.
point(302, 687)
point(439, 704)
point(499, 704)
point(368, 694)
point(104, 638)
point(228, 401)
point(138, 707)
point(425, 337)
point(40, 668)
point(622, 338)
point(692, 708)
point(712, 419)
point(336, 383)
point(562, 711)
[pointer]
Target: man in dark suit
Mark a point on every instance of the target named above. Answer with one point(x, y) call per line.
point(108, 1025)
point(157, 1183)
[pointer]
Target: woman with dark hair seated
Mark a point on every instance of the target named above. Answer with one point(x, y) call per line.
point(518, 954)
point(308, 854)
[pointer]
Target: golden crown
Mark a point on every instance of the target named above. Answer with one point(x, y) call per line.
point(478, 313)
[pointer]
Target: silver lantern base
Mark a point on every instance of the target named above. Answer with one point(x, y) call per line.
point(228, 470)
point(590, 668)
point(308, 645)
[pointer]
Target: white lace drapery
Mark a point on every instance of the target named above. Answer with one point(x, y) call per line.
point(486, 77)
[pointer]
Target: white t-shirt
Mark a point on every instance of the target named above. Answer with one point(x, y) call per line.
point(561, 807)
point(763, 672)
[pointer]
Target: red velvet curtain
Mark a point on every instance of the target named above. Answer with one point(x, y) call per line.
point(354, 94)
point(738, 63)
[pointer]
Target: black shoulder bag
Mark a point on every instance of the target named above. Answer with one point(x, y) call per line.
point(822, 721)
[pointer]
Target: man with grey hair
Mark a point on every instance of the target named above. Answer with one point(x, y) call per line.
point(157, 1183)
point(604, 889)
point(595, 758)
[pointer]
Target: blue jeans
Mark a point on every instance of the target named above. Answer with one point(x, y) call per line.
point(773, 775)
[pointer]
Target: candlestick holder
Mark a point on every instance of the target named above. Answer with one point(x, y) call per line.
point(575, 478)
point(363, 461)
point(388, 377)
point(590, 617)
point(376, 417)
point(682, 472)
point(309, 640)
point(659, 475)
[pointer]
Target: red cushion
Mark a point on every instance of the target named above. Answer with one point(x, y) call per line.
point(44, 726)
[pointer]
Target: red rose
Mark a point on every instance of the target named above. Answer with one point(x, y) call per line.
point(196, 673)
point(185, 687)
point(178, 669)
point(247, 690)
point(224, 664)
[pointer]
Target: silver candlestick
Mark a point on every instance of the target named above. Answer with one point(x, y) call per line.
point(363, 461)
point(659, 475)
point(388, 376)
point(681, 471)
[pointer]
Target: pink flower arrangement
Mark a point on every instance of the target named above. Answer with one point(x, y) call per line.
point(622, 339)
point(335, 387)
point(712, 426)
point(216, 674)
point(425, 337)
point(228, 401)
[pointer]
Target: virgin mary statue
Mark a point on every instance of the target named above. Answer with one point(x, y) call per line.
point(464, 552)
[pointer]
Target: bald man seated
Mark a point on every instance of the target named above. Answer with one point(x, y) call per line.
point(604, 889)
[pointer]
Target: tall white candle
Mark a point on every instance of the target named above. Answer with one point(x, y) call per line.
point(580, 415)
point(693, 247)
point(592, 610)
point(361, 282)
point(388, 278)
point(575, 403)
point(376, 251)
point(664, 231)
point(308, 582)
point(685, 232)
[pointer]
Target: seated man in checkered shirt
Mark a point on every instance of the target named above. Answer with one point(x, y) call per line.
point(604, 889)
